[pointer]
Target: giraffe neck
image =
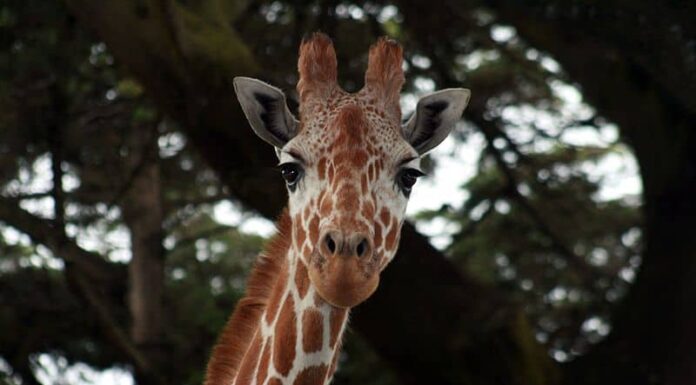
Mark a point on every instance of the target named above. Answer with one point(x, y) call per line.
point(297, 338)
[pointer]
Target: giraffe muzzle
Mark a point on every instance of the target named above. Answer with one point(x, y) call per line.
point(335, 243)
point(344, 273)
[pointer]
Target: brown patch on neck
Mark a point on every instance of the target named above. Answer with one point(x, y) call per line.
point(284, 337)
point(251, 360)
point(312, 330)
point(264, 362)
point(301, 279)
point(313, 375)
point(277, 295)
point(236, 337)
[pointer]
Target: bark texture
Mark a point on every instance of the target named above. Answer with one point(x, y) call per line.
point(142, 213)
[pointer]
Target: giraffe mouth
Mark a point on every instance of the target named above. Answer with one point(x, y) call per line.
point(342, 281)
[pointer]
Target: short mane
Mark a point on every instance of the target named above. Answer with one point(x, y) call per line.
point(240, 328)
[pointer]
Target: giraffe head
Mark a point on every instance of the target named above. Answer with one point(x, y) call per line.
point(349, 163)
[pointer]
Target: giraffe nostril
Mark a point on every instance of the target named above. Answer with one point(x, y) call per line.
point(330, 243)
point(336, 244)
point(362, 248)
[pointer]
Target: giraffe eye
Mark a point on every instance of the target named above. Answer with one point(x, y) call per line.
point(291, 172)
point(407, 178)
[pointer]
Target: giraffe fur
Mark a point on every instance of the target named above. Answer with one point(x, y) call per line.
point(349, 165)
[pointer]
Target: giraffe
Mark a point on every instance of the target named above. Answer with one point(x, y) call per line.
point(349, 166)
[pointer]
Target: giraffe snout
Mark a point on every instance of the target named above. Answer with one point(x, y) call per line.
point(335, 243)
point(347, 274)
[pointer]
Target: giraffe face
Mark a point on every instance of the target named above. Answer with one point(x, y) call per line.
point(349, 164)
point(350, 173)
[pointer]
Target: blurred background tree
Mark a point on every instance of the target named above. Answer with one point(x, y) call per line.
point(134, 198)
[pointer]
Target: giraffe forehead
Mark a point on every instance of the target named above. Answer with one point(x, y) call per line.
point(352, 126)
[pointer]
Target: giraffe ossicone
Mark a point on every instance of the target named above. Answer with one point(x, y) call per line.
point(349, 165)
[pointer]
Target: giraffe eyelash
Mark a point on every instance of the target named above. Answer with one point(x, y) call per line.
point(406, 178)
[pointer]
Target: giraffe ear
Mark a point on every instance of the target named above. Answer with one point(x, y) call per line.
point(436, 115)
point(266, 110)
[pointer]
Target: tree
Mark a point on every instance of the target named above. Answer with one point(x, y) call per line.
point(466, 323)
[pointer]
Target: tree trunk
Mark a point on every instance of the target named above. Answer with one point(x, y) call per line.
point(142, 213)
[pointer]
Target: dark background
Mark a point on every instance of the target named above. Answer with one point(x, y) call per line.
point(120, 133)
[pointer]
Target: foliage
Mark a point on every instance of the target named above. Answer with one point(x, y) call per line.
point(565, 270)
point(85, 124)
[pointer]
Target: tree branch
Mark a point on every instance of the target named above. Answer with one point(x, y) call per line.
point(472, 226)
point(490, 130)
point(43, 231)
point(91, 271)
point(187, 241)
